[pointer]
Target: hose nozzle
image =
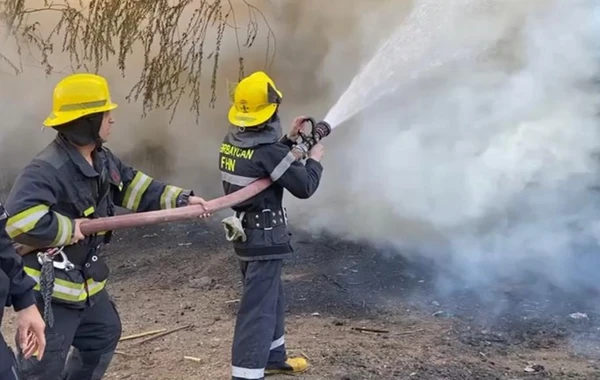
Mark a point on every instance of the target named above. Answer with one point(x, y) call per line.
point(319, 129)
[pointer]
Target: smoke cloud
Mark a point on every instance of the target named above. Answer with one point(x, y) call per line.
point(485, 164)
point(318, 49)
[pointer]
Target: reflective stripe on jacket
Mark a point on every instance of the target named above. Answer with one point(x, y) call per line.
point(59, 186)
point(242, 165)
point(68, 290)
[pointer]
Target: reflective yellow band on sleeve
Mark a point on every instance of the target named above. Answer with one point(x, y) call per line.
point(66, 290)
point(94, 287)
point(89, 211)
point(65, 230)
point(168, 198)
point(135, 191)
point(25, 221)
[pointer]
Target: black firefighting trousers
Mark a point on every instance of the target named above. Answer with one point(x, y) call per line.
point(8, 366)
point(11, 372)
point(258, 341)
point(93, 332)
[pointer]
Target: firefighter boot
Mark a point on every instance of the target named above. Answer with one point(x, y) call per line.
point(291, 366)
point(88, 366)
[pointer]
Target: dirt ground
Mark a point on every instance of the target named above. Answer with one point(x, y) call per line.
point(185, 275)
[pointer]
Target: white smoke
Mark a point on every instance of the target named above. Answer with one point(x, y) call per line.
point(488, 163)
point(484, 165)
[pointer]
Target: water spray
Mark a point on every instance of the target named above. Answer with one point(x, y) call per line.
point(364, 89)
point(368, 86)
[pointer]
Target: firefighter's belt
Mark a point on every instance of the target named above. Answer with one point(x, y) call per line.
point(266, 220)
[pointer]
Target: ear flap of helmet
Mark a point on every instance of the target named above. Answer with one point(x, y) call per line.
point(272, 95)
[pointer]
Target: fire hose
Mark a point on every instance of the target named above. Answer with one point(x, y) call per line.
point(46, 257)
point(300, 150)
point(320, 130)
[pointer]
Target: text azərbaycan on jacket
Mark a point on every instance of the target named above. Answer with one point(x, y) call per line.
point(248, 156)
point(59, 186)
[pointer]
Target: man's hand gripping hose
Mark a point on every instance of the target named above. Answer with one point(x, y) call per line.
point(319, 130)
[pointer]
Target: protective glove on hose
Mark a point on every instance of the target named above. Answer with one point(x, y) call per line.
point(233, 228)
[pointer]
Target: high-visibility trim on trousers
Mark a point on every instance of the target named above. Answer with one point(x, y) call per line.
point(248, 373)
point(25, 221)
point(135, 191)
point(168, 198)
point(66, 290)
point(278, 343)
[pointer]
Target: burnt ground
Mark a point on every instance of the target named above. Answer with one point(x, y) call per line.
point(181, 274)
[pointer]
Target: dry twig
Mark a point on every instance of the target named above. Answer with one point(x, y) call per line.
point(124, 354)
point(364, 329)
point(164, 334)
point(172, 35)
point(140, 335)
point(197, 360)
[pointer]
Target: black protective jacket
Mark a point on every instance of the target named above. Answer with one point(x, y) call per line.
point(255, 153)
point(16, 288)
point(58, 186)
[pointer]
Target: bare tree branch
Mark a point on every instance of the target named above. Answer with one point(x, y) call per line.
point(172, 35)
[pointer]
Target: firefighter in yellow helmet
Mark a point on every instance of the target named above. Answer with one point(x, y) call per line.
point(73, 178)
point(255, 148)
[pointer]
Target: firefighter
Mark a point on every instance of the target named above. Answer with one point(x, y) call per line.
point(255, 148)
point(76, 177)
point(16, 290)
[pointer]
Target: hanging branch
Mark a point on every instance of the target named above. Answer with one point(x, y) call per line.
point(173, 50)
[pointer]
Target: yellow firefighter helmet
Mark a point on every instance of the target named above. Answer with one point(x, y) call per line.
point(79, 95)
point(255, 100)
